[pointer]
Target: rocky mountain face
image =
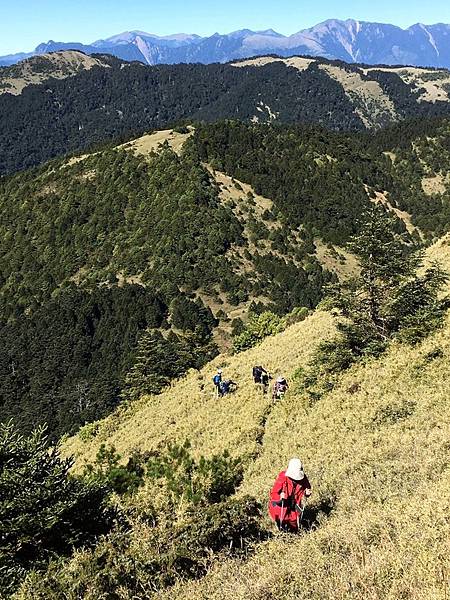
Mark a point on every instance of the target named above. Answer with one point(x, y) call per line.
point(352, 41)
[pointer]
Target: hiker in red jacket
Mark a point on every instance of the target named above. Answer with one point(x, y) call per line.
point(288, 496)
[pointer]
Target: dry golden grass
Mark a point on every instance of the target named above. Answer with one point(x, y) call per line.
point(188, 409)
point(345, 268)
point(383, 198)
point(437, 184)
point(63, 64)
point(150, 142)
point(298, 62)
point(376, 448)
point(430, 84)
point(372, 100)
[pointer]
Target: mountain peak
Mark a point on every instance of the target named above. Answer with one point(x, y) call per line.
point(349, 40)
point(270, 32)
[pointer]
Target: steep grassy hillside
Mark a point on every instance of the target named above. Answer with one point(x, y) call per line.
point(375, 448)
point(190, 410)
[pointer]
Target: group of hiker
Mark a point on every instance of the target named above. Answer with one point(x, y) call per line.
point(261, 377)
point(291, 489)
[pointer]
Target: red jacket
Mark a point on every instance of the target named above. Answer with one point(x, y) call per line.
point(290, 507)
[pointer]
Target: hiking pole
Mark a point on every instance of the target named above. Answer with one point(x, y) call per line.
point(299, 518)
point(282, 515)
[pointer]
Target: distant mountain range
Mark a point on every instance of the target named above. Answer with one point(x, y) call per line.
point(351, 41)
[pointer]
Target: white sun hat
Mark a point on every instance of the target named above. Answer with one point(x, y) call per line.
point(295, 469)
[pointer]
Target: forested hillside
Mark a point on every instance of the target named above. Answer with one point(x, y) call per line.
point(98, 251)
point(106, 255)
point(111, 99)
point(322, 179)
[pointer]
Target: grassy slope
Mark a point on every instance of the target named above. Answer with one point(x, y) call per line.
point(378, 444)
point(189, 409)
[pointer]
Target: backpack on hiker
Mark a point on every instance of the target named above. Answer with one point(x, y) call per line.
point(261, 377)
point(217, 380)
point(227, 387)
point(257, 374)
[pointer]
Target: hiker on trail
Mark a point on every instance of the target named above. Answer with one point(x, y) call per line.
point(217, 380)
point(261, 377)
point(288, 497)
point(227, 386)
point(280, 387)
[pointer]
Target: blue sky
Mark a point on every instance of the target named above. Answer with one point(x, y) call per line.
point(25, 23)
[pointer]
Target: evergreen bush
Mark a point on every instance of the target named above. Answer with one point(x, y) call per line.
point(258, 327)
point(44, 511)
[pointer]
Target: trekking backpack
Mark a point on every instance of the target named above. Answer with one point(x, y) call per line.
point(217, 379)
point(257, 372)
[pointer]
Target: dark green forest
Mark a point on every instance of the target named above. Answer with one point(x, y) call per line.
point(126, 99)
point(321, 179)
point(100, 264)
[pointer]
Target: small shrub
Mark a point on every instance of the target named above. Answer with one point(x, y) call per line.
point(222, 315)
point(434, 354)
point(204, 481)
point(392, 413)
point(258, 328)
point(237, 327)
point(268, 216)
point(88, 432)
point(298, 315)
point(122, 479)
point(183, 129)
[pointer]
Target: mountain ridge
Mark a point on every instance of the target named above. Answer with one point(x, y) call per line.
point(350, 40)
point(116, 100)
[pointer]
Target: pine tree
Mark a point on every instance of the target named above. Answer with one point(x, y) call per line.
point(44, 511)
point(155, 364)
point(393, 296)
